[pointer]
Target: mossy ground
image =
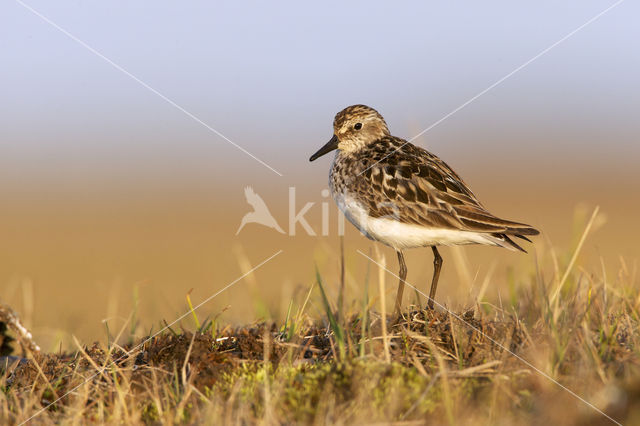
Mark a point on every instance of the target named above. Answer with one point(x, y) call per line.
point(441, 367)
point(562, 351)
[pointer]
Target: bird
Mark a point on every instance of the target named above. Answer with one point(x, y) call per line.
point(260, 213)
point(403, 196)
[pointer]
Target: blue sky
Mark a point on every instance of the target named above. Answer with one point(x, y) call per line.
point(270, 76)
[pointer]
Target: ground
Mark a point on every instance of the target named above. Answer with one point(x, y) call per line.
point(560, 349)
point(572, 359)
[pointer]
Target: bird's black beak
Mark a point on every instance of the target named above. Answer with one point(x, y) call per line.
point(328, 147)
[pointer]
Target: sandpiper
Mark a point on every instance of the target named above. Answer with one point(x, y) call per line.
point(405, 197)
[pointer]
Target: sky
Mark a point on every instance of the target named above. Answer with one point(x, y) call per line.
point(271, 76)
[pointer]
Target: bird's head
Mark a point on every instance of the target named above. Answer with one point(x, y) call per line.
point(353, 128)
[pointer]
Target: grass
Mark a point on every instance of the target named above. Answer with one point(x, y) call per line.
point(496, 362)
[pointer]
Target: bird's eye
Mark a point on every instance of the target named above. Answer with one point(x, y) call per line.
point(358, 126)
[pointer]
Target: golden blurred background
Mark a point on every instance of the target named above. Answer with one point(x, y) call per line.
point(71, 263)
point(116, 203)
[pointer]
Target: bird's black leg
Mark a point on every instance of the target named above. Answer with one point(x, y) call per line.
point(403, 275)
point(437, 265)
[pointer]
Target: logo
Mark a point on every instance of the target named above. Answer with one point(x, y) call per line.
point(260, 213)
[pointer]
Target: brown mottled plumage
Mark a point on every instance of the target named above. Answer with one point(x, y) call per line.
point(404, 196)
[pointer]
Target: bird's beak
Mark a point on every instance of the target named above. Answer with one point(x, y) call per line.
point(328, 147)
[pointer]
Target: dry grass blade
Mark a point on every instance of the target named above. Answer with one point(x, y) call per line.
point(444, 379)
point(383, 305)
point(574, 257)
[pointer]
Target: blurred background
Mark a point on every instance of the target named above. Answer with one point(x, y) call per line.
point(114, 203)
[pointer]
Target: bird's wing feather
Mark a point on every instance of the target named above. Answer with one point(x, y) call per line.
point(414, 186)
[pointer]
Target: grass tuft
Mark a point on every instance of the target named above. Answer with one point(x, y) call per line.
point(356, 366)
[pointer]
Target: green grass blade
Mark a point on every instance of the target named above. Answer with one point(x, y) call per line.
point(335, 326)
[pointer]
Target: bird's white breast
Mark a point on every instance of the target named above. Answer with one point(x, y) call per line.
point(403, 235)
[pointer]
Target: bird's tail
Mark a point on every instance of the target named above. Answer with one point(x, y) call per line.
point(503, 240)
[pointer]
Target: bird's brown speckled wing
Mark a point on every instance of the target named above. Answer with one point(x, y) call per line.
point(414, 186)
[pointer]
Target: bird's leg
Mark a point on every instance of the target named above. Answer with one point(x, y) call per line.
point(403, 275)
point(437, 265)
